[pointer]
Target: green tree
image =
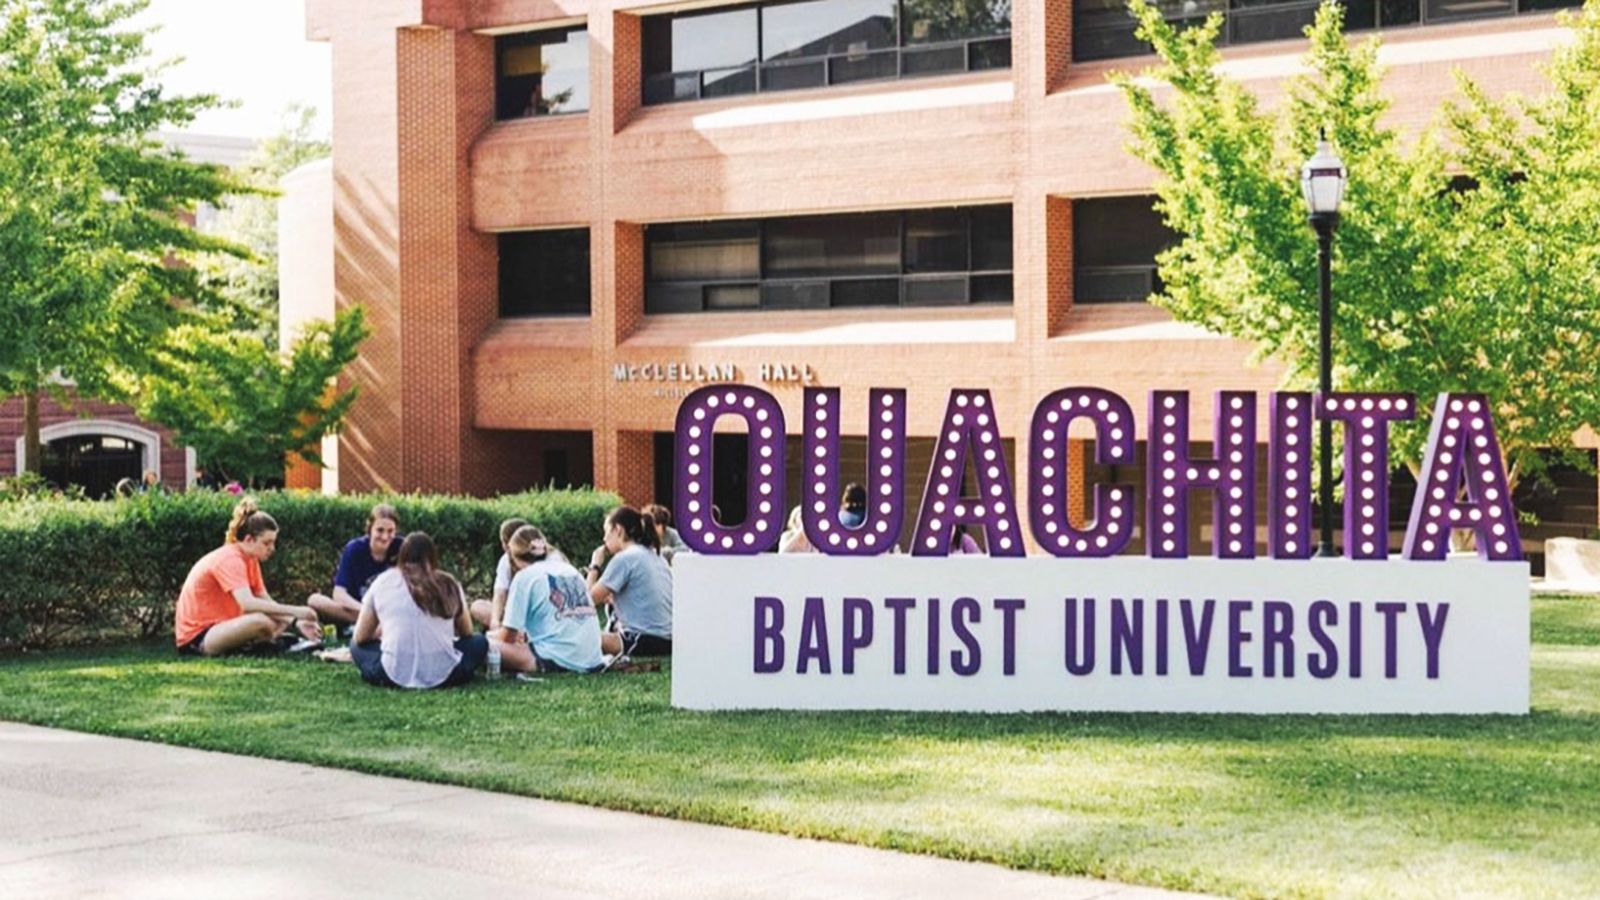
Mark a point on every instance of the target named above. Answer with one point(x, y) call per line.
point(251, 220)
point(243, 406)
point(931, 21)
point(1466, 260)
point(93, 240)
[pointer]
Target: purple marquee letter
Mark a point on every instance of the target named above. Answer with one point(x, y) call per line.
point(969, 424)
point(1111, 519)
point(1171, 475)
point(1463, 457)
point(1289, 506)
point(1366, 419)
point(885, 481)
point(765, 465)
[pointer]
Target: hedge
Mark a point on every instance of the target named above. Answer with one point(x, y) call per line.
point(78, 572)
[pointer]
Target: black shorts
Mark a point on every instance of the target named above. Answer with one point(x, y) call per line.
point(542, 666)
point(636, 643)
point(195, 647)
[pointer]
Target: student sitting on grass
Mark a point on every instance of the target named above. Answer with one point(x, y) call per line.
point(426, 634)
point(224, 605)
point(487, 613)
point(671, 541)
point(637, 584)
point(549, 619)
point(363, 560)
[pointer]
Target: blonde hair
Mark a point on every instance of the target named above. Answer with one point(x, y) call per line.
point(521, 545)
point(248, 521)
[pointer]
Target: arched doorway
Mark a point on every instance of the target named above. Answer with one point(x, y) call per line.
point(95, 454)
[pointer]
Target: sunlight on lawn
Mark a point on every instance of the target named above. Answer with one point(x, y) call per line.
point(1283, 805)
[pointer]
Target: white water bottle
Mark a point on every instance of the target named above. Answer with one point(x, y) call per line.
point(494, 659)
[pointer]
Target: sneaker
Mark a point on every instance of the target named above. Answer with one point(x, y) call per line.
point(303, 645)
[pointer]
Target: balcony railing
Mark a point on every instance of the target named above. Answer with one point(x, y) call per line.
point(930, 289)
point(1114, 284)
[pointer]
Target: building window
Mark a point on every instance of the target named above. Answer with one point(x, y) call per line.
point(541, 73)
point(1102, 29)
point(95, 462)
point(813, 43)
point(544, 273)
point(1114, 245)
point(935, 257)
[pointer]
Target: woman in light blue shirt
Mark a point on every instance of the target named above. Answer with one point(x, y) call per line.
point(636, 582)
point(549, 621)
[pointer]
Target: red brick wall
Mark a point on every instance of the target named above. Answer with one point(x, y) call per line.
point(423, 177)
point(173, 455)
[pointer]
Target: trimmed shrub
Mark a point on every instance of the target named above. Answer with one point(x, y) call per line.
point(76, 572)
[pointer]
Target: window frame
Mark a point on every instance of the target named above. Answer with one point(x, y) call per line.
point(588, 280)
point(693, 294)
point(1234, 13)
point(505, 42)
point(971, 49)
point(1081, 272)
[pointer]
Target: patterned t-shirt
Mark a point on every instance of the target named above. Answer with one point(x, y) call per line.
point(550, 602)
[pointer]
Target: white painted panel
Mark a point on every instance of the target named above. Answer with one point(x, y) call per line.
point(1482, 647)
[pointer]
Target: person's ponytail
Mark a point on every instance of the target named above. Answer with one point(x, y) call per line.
point(638, 527)
point(248, 521)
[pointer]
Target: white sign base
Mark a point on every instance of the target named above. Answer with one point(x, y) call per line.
point(1196, 635)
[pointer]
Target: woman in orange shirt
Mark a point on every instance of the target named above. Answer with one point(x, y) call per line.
point(224, 605)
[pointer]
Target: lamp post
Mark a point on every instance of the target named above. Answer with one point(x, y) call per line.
point(1322, 181)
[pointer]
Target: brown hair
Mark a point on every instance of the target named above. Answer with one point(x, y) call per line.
point(520, 546)
point(508, 528)
point(661, 515)
point(639, 527)
point(437, 593)
point(854, 497)
point(248, 521)
point(382, 511)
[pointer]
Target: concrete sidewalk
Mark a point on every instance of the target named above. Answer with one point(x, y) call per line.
point(87, 816)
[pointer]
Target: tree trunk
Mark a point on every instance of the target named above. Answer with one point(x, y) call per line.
point(32, 450)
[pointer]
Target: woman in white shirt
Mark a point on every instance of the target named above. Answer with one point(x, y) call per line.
point(414, 630)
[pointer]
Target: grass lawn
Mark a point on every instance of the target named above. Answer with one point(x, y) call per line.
point(1290, 805)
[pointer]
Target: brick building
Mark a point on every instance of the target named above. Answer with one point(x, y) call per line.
point(93, 443)
point(563, 215)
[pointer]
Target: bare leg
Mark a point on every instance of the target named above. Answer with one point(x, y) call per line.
point(516, 657)
point(342, 612)
point(306, 629)
point(610, 643)
point(251, 628)
point(482, 612)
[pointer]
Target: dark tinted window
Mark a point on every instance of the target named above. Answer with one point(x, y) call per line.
point(833, 245)
point(934, 21)
point(991, 238)
point(705, 251)
point(936, 241)
point(1115, 242)
point(934, 257)
point(544, 273)
point(1102, 29)
point(542, 73)
point(821, 27)
point(811, 43)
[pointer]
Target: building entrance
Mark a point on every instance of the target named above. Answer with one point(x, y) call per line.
point(95, 462)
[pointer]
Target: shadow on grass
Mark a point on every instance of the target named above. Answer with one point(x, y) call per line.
point(1280, 800)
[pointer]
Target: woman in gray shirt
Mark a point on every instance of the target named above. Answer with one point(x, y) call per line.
point(636, 582)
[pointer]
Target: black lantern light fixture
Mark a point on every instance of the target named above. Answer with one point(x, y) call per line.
point(1322, 181)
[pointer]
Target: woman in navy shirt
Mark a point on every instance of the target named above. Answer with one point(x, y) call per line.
point(363, 559)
